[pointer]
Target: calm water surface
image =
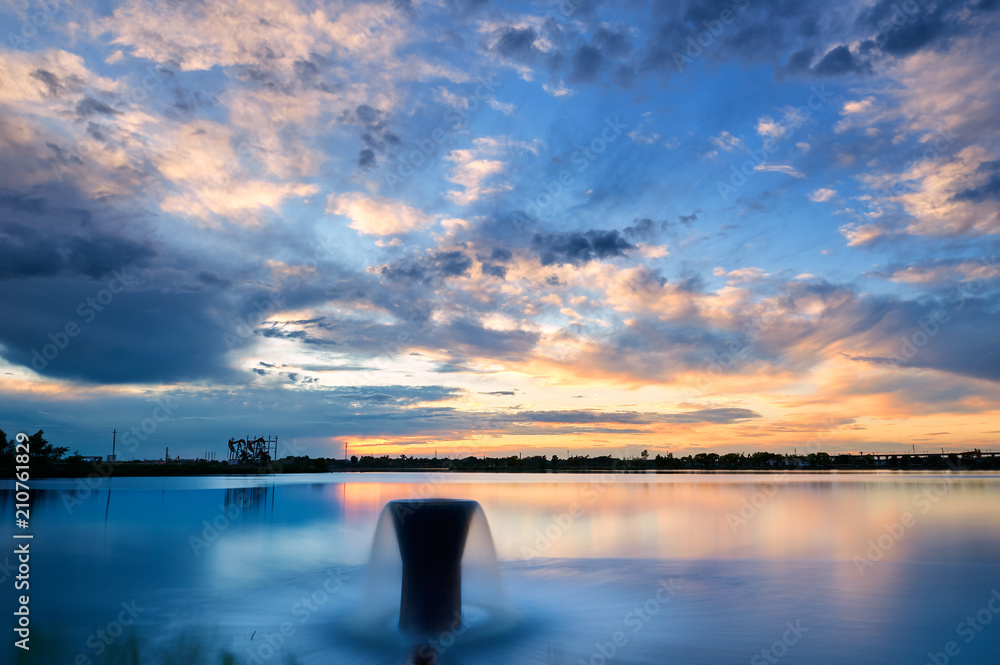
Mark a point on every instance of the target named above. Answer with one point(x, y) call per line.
point(804, 568)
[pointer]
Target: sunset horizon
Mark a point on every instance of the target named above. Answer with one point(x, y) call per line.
point(466, 228)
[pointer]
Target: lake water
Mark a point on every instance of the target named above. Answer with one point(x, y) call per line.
point(600, 568)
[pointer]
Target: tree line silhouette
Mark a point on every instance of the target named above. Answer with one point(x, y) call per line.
point(49, 460)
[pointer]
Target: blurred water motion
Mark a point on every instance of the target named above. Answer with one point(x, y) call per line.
point(828, 568)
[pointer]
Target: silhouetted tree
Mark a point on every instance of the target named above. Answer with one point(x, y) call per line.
point(41, 451)
point(6, 450)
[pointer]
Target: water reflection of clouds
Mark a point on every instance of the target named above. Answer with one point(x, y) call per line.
point(830, 518)
point(792, 559)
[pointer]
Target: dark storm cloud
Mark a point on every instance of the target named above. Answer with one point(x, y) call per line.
point(21, 203)
point(39, 239)
point(517, 44)
point(139, 334)
point(895, 29)
point(755, 31)
point(366, 158)
point(211, 278)
point(396, 395)
point(310, 73)
point(168, 323)
point(63, 157)
point(990, 190)
point(305, 69)
point(645, 229)
point(805, 37)
point(69, 269)
point(904, 28)
point(471, 336)
point(839, 61)
point(952, 331)
point(375, 135)
point(501, 254)
point(186, 102)
point(719, 416)
point(49, 80)
point(713, 416)
point(494, 270)
point(438, 265)
point(88, 106)
point(801, 61)
point(454, 367)
point(954, 334)
point(579, 247)
point(659, 350)
point(615, 42)
point(95, 131)
point(582, 417)
point(493, 265)
point(586, 64)
point(412, 304)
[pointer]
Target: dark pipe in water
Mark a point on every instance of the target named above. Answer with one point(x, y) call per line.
point(431, 535)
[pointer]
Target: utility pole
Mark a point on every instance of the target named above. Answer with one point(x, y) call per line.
point(114, 440)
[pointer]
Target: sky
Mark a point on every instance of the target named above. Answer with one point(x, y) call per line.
point(461, 227)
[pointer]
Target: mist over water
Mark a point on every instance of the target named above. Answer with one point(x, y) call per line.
point(873, 568)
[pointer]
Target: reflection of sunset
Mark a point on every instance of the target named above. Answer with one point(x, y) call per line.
point(685, 517)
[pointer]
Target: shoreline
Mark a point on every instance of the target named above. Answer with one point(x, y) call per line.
point(139, 470)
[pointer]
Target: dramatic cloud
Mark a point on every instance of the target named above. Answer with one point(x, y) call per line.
point(703, 224)
point(594, 245)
